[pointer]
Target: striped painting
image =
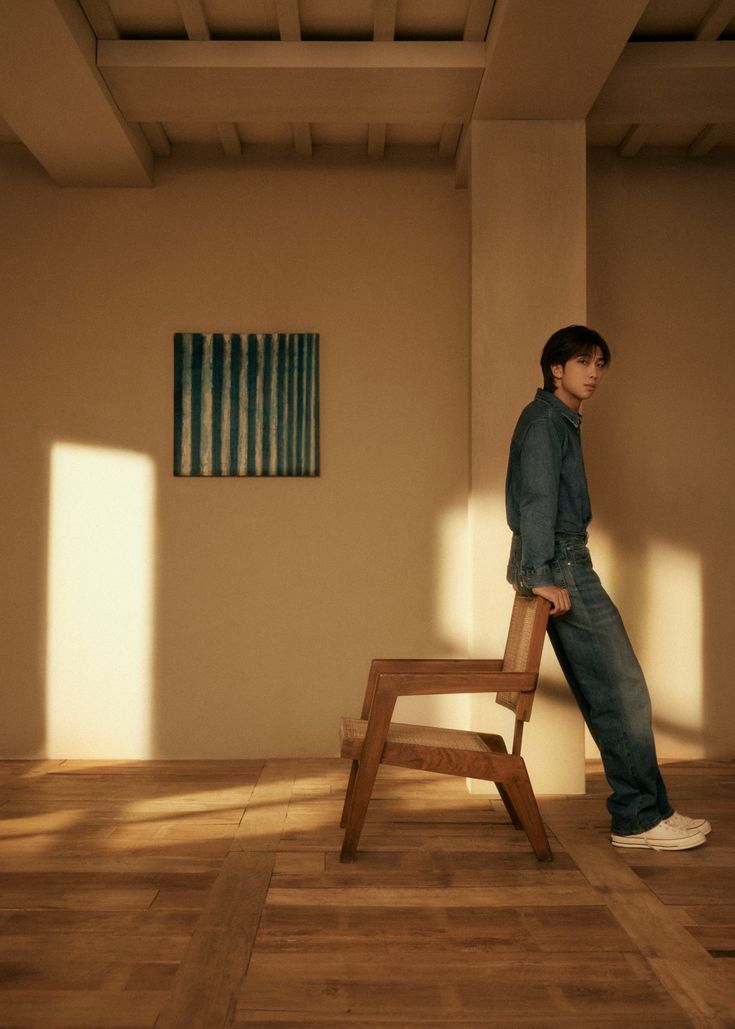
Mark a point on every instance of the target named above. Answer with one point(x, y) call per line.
point(246, 403)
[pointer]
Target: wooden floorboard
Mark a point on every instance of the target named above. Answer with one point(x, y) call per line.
point(209, 895)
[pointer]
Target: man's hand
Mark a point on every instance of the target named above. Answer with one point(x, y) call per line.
point(556, 596)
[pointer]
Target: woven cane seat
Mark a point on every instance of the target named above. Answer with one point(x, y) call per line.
point(352, 735)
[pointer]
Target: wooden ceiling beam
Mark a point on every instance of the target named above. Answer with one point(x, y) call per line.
point(549, 60)
point(158, 141)
point(477, 20)
point(462, 159)
point(635, 138)
point(229, 137)
point(293, 82)
point(670, 82)
point(174, 54)
point(57, 103)
point(384, 31)
point(194, 19)
point(376, 141)
point(707, 139)
point(289, 29)
point(449, 140)
point(716, 20)
point(289, 20)
point(302, 140)
point(384, 20)
point(100, 17)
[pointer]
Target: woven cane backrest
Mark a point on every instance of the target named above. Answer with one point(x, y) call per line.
point(523, 649)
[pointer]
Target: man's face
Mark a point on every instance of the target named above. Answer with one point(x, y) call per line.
point(578, 379)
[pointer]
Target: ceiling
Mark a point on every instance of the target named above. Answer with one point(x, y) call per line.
point(99, 90)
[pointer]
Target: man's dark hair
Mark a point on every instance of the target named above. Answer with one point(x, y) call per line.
point(567, 343)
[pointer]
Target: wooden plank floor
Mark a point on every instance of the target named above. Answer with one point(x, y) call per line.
point(190, 895)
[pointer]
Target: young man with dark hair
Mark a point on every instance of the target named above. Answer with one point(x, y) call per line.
point(548, 510)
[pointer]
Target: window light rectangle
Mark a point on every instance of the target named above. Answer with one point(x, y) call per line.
point(246, 404)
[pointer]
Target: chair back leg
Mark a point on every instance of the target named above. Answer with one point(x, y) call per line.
point(508, 805)
point(523, 801)
point(348, 794)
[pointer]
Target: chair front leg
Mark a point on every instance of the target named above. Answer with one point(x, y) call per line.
point(360, 789)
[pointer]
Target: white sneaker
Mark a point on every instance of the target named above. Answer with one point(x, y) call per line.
point(662, 837)
point(678, 821)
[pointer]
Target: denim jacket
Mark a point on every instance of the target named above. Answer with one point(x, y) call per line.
point(546, 488)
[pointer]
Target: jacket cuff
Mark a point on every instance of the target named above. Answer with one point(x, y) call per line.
point(530, 577)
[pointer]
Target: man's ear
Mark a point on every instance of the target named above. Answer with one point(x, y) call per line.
point(557, 370)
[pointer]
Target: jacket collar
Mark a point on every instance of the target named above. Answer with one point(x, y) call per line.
point(557, 405)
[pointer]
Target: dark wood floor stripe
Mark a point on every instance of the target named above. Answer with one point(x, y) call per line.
point(216, 961)
point(205, 990)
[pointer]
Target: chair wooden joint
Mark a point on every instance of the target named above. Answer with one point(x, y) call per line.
point(374, 739)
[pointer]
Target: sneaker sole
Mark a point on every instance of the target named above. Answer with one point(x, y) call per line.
point(687, 843)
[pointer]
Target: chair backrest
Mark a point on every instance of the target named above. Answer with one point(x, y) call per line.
point(523, 649)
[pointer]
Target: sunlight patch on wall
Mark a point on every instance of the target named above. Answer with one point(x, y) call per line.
point(492, 597)
point(100, 603)
point(671, 654)
point(451, 581)
point(451, 622)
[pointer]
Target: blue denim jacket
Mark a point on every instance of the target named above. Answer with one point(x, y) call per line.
point(546, 488)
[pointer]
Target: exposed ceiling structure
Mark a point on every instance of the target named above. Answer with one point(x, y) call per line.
point(98, 90)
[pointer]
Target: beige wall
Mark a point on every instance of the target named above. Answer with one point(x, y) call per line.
point(193, 618)
point(660, 436)
point(266, 598)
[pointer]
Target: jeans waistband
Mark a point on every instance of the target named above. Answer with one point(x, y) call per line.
point(571, 537)
point(562, 537)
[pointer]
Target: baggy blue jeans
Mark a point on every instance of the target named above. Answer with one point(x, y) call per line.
point(604, 675)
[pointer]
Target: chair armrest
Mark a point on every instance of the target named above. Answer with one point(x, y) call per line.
point(414, 666)
point(402, 684)
point(411, 665)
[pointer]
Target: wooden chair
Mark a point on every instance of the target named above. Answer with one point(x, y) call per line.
point(374, 739)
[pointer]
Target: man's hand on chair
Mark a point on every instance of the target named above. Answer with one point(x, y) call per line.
point(556, 596)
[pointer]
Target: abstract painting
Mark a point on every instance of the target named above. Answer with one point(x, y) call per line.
point(246, 404)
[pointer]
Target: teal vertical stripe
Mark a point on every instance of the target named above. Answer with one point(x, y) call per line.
point(315, 404)
point(234, 344)
point(254, 409)
point(292, 405)
point(281, 401)
point(218, 362)
point(299, 405)
point(178, 399)
point(267, 371)
point(197, 355)
point(252, 384)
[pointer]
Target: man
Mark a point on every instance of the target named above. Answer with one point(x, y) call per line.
point(548, 510)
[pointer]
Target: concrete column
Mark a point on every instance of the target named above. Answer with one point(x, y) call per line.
point(528, 204)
